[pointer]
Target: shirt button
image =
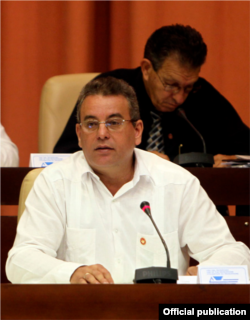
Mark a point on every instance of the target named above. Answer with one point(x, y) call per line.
point(116, 230)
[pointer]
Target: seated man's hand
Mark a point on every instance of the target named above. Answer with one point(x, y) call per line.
point(164, 156)
point(94, 274)
point(192, 271)
point(218, 163)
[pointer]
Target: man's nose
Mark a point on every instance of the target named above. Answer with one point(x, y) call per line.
point(103, 131)
point(180, 97)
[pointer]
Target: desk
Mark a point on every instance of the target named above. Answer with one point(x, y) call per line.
point(225, 186)
point(11, 180)
point(139, 301)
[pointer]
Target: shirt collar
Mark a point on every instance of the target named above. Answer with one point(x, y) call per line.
point(84, 168)
point(140, 168)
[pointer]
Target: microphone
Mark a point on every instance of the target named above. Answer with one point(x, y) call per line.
point(194, 159)
point(181, 113)
point(146, 208)
point(156, 274)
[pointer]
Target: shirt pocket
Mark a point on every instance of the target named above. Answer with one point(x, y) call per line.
point(80, 245)
point(151, 252)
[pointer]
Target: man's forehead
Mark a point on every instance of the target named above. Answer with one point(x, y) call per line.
point(173, 69)
point(102, 104)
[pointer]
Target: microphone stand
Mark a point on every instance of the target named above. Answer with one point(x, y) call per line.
point(193, 159)
point(156, 274)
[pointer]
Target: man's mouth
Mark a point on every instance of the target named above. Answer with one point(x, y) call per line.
point(167, 107)
point(103, 148)
point(172, 105)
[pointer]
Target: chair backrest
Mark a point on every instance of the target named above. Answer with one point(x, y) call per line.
point(26, 186)
point(58, 98)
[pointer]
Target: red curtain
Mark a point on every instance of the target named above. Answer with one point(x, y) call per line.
point(41, 39)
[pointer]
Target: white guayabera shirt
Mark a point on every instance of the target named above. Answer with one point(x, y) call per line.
point(71, 219)
point(9, 151)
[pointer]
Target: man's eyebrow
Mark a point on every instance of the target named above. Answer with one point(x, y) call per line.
point(117, 115)
point(175, 82)
point(170, 81)
point(90, 117)
point(113, 115)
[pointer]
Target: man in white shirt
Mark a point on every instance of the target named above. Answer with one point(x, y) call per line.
point(83, 222)
point(9, 151)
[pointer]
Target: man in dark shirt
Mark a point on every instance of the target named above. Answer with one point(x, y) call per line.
point(168, 78)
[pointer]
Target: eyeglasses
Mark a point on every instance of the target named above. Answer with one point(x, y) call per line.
point(112, 124)
point(176, 89)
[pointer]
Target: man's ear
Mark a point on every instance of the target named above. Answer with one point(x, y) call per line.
point(78, 133)
point(138, 132)
point(146, 68)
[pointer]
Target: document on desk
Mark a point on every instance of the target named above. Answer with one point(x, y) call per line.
point(187, 280)
point(223, 275)
point(241, 161)
point(217, 275)
point(42, 160)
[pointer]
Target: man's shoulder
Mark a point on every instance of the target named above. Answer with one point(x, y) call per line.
point(204, 86)
point(161, 171)
point(207, 97)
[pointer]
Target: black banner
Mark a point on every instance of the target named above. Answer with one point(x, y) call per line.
point(201, 310)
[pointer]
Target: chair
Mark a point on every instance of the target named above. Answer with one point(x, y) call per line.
point(26, 186)
point(58, 98)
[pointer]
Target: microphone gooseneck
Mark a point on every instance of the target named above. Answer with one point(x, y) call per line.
point(145, 206)
point(155, 274)
point(181, 113)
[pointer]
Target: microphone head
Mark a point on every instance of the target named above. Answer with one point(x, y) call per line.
point(181, 112)
point(145, 206)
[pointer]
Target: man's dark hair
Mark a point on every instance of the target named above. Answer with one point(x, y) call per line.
point(109, 86)
point(181, 41)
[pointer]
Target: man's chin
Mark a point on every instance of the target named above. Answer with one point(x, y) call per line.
point(102, 163)
point(167, 108)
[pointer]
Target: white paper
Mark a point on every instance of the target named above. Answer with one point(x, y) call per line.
point(223, 274)
point(243, 157)
point(187, 280)
point(42, 160)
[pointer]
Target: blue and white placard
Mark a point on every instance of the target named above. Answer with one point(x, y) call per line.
point(42, 160)
point(223, 275)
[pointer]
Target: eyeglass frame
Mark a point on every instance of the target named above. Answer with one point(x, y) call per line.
point(105, 122)
point(178, 89)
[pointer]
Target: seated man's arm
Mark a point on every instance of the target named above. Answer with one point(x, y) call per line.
point(219, 158)
point(204, 232)
point(231, 134)
point(41, 234)
point(192, 271)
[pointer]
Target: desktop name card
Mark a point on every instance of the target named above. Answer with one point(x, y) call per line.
point(223, 275)
point(42, 160)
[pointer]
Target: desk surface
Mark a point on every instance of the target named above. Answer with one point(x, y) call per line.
point(225, 186)
point(139, 301)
